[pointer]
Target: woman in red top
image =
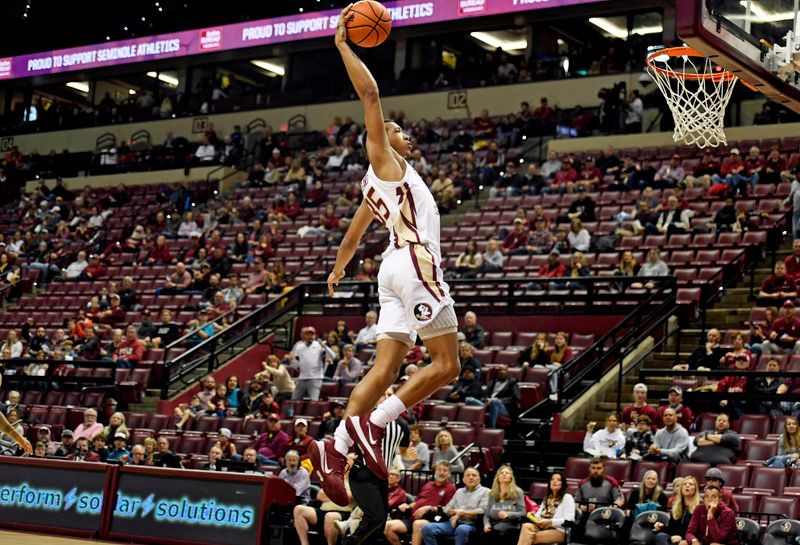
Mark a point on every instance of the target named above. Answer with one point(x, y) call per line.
point(292, 208)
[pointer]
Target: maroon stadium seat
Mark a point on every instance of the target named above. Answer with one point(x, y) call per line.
point(443, 411)
point(756, 424)
point(661, 469)
point(619, 469)
point(759, 450)
point(785, 507)
point(576, 468)
point(474, 416)
point(768, 478)
point(692, 469)
point(735, 476)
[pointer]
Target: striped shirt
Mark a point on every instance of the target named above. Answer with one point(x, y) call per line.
point(397, 435)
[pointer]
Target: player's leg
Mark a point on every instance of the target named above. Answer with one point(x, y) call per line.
point(389, 356)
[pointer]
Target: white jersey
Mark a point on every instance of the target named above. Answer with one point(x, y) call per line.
point(406, 208)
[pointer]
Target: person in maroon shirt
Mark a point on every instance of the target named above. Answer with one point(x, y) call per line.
point(130, 351)
point(777, 287)
point(733, 173)
point(429, 504)
point(792, 262)
point(564, 179)
point(785, 333)
point(589, 176)
point(684, 413)
point(114, 314)
point(300, 440)
point(754, 165)
point(704, 170)
point(484, 126)
point(712, 521)
point(160, 252)
point(639, 407)
point(773, 166)
point(554, 268)
point(515, 242)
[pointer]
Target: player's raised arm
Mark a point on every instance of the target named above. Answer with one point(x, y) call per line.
point(380, 153)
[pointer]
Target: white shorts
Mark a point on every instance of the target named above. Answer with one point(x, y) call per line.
point(411, 291)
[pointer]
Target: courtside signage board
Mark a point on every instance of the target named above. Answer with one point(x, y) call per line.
point(173, 506)
point(60, 495)
point(302, 26)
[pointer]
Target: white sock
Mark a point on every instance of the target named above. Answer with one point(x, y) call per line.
point(341, 439)
point(388, 411)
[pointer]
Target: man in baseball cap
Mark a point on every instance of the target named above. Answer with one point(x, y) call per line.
point(300, 439)
point(714, 477)
point(684, 413)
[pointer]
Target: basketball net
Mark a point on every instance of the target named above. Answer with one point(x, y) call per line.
point(697, 92)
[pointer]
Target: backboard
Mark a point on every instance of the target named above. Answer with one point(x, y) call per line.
point(749, 38)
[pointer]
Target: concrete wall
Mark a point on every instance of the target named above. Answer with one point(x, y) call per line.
point(498, 100)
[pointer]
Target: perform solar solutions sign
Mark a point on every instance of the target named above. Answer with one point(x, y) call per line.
point(302, 26)
point(52, 496)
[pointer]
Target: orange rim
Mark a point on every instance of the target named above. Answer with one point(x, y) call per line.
point(726, 75)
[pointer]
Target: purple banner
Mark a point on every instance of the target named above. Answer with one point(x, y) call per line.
point(302, 26)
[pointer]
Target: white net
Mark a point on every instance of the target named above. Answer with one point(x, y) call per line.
point(697, 94)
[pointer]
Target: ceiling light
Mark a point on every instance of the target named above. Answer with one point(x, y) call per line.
point(271, 67)
point(616, 31)
point(81, 86)
point(166, 78)
point(561, 42)
point(493, 40)
point(131, 91)
point(759, 14)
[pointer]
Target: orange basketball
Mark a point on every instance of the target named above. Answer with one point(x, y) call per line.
point(369, 23)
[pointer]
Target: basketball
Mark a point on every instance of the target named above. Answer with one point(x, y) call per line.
point(369, 23)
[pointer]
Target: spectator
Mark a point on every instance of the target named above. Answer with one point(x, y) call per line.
point(505, 508)
point(639, 438)
point(167, 332)
point(707, 356)
point(416, 456)
point(428, 507)
point(300, 441)
point(734, 174)
point(445, 450)
point(320, 518)
point(515, 242)
point(74, 269)
point(536, 354)
point(582, 208)
point(349, 368)
point(116, 424)
point(273, 369)
point(551, 166)
point(598, 489)
point(12, 344)
point(8, 446)
point(675, 402)
point(608, 442)
point(714, 477)
point(164, 456)
point(673, 219)
point(783, 339)
point(788, 446)
point(465, 510)
point(90, 426)
point(250, 402)
point(639, 407)
point(82, 452)
point(578, 237)
point(119, 451)
point(671, 173)
point(654, 266)
point(777, 287)
point(717, 446)
point(647, 497)
point(712, 521)
point(467, 389)
point(792, 262)
point(331, 420)
point(672, 441)
point(557, 508)
point(635, 113)
point(272, 443)
point(493, 258)
point(684, 504)
point(214, 456)
point(469, 262)
point(127, 295)
point(205, 152)
point(160, 252)
point(768, 386)
point(297, 476)
point(131, 349)
point(503, 396)
point(553, 268)
point(367, 336)
point(309, 356)
point(473, 332)
point(67, 446)
point(178, 282)
point(540, 238)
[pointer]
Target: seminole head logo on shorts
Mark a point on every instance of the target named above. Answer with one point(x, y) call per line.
point(423, 312)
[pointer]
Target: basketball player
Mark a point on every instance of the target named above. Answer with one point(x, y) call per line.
point(8, 429)
point(413, 296)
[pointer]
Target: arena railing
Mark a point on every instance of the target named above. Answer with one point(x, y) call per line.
point(599, 295)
